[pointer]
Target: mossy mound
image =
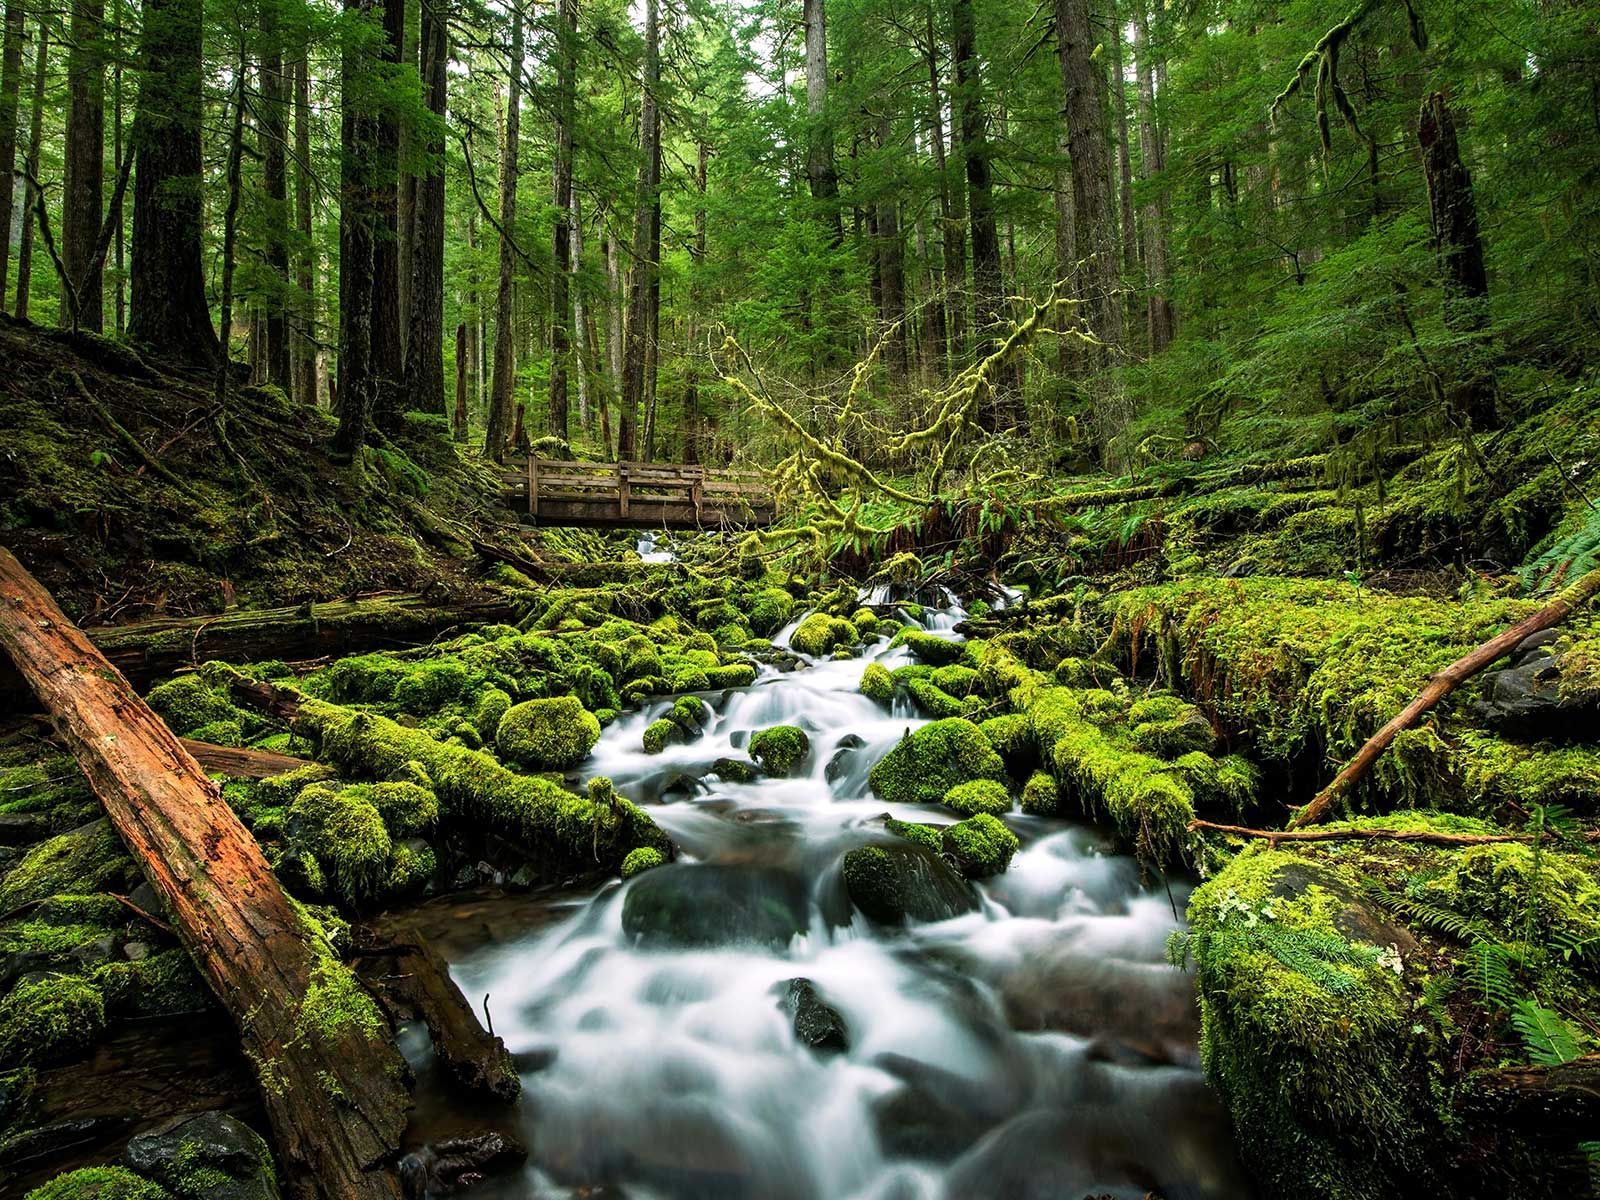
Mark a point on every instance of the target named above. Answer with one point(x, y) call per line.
point(907, 881)
point(877, 684)
point(980, 846)
point(99, 1183)
point(640, 860)
point(929, 761)
point(930, 648)
point(544, 734)
point(49, 1017)
point(978, 796)
point(1350, 989)
point(87, 859)
point(780, 750)
point(820, 634)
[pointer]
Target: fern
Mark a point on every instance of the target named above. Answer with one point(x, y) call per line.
point(1566, 557)
point(1547, 1037)
point(1489, 965)
point(1317, 956)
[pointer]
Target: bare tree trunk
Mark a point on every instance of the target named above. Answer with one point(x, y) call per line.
point(1152, 164)
point(1083, 82)
point(230, 229)
point(305, 365)
point(691, 386)
point(83, 204)
point(273, 133)
point(646, 239)
point(331, 1081)
point(167, 307)
point(820, 170)
point(561, 280)
point(119, 149)
point(891, 259)
point(505, 350)
point(424, 373)
point(580, 323)
point(1066, 252)
point(10, 105)
point(460, 422)
point(952, 211)
point(1119, 102)
point(986, 279)
point(41, 57)
point(358, 219)
point(388, 352)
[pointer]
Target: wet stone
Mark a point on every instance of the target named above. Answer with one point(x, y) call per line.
point(896, 883)
point(816, 1023)
point(713, 904)
point(209, 1156)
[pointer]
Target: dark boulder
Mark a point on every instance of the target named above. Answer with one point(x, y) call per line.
point(816, 1023)
point(905, 881)
point(454, 1164)
point(205, 1156)
point(1526, 700)
point(715, 904)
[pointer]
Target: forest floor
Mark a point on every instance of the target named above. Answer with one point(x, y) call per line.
point(1206, 642)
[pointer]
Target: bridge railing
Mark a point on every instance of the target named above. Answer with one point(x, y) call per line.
point(638, 493)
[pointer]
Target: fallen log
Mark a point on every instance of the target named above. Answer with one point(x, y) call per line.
point(1441, 685)
point(331, 1080)
point(243, 764)
point(1561, 1100)
point(418, 986)
point(1427, 837)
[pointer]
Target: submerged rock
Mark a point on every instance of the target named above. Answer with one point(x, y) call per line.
point(816, 1024)
point(454, 1164)
point(905, 881)
point(715, 904)
point(209, 1156)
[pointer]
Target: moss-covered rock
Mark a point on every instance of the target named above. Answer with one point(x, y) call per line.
point(49, 1017)
point(780, 750)
point(933, 700)
point(770, 610)
point(980, 846)
point(930, 648)
point(819, 634)
point(736, 770)
point(492, 704)
point(930, 836)
point(929, 761)
point(188, 702)
point(978, 796)
point(99, 1183)
point(641, 860)
point(343, 831)
point(877, 684)
point(659, 734)
point(87, 859)
point(547, 734)
point(906, 881)
point(158, 985)
point(1040, 797)
point(731, 675)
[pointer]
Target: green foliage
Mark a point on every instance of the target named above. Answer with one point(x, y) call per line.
point(929, 761)
point(558, 733)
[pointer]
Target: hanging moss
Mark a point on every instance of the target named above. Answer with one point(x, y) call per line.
point(1039, 795)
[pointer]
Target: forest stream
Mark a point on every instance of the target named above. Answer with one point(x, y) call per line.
point(1035, 1046)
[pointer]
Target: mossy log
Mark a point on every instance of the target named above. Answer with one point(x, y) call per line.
point(242, 764)
point(1561, 1099)
point(144, 650)
point(331, 1080)
point(1577, 593)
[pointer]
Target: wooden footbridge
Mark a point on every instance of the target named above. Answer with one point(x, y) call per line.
point(636, 495)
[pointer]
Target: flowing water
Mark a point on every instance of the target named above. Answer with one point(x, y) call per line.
point(1039, 1047)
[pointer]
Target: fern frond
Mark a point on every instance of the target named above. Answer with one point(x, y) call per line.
point(1545, 1034)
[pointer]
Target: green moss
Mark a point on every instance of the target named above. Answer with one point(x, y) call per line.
point(929, 761)
point(658, 734)
point(334, 1003)
point(866, 621)
point(641, 860)
point(736, 770)
point(980, 846)
point(933, 700)
point(1150, 804)
point(732, 675)
point(50, 1018)
point(98, 1183)
point(428, 686)
point(770, 610)
point(559, 830)
point(492, 705)
point(188, 703)
point(407, 808)
point(928, 648)
point(342, 829)
point(552, 733)
point(1040, 796)
point(411, 868)
point(819, 634)
point(780, 750)
point(978, 796)
point(688, 713)
point(1012, 736)
point(877, 684)
point(220, 733)
point(88, 859)
point(640, 659)
point(160, 985)
point(930, 836)
point(1227, 784)
point(1074, 672)
point(281, 790)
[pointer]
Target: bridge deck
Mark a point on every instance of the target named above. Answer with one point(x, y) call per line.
point(634, 495)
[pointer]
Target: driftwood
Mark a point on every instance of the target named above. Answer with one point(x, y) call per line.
point(1426, 836)
point(417, 985)
point(331, 1081)
point(1440, 686)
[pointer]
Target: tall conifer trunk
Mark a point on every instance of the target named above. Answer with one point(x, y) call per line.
point(424, 373)
point(10, 106)
point(561, 283)
point(1083, 83)
point(646, 242)
point(83, 202)
point(505, 351)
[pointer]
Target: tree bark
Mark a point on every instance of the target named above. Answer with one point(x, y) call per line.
point(821, 173)
point(891, 265)
point(1440, 686)
point(1450, 197)
point(305, 349)
point(1066, 246)
point(41, 57)
point(938, 316)
point(388, 348)
point(358, 219)
point(1119, 102)
point(561, 236)
point(167, 307)
point(1084, 85)
point(83, 202)
point(424, 371)
point(583, 359)
point(646, 240)
point(1151, 164)
point(273, 132)
point(986, 279)
point(331, 1081)
point(505, 351)
point(697, 254)
point(10, 105)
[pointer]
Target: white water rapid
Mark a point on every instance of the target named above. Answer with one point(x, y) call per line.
point(1037, 1048)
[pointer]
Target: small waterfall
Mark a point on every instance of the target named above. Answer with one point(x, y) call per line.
point(1039, 1047)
